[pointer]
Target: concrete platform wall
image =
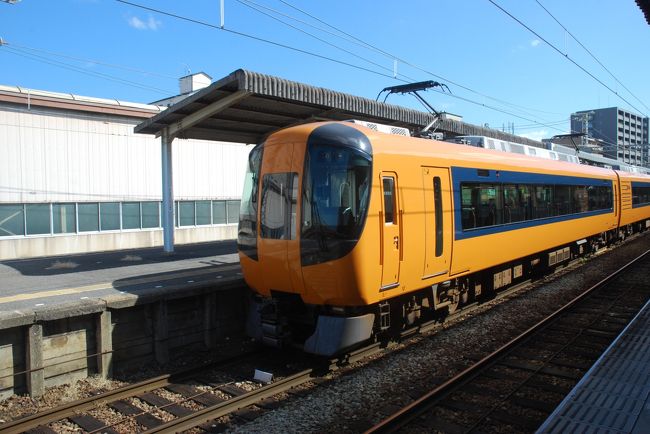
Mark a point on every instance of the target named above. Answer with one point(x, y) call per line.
point(29, 247)
point(114, 335)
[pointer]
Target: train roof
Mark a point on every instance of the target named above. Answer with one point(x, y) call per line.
point(631, 176)
point(462, 155)
point(469, 156)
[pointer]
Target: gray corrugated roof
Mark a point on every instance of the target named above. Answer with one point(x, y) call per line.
point(271, 103)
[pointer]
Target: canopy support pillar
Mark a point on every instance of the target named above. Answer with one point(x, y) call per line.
point(167, 191)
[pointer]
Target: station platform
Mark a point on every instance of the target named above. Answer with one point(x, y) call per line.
point(44, 283)
point(614, 395)
point(68, 317)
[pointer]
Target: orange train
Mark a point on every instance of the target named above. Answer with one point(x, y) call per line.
point(346, 232)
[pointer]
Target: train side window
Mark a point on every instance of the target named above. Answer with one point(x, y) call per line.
point(469, 202)
point(580, 198)
point(640, 195)
point(526, 198)
point(490, 205)
point(437, 199)
point(389, 199)
point(543, 201)
point(278, 210)
point(563, 204)
point(513, 208)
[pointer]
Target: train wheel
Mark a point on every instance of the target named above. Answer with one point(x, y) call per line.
point(411, 312)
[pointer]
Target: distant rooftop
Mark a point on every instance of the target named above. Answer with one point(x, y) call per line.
point(21, 95)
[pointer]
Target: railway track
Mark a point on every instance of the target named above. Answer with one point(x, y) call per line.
point(215, 403)
point(199, 400)
point(140, 405)
point(516, 387)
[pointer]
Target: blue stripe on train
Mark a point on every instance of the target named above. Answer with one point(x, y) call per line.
point(465, 174)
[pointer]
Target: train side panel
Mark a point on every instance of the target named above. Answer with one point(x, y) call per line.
point(419, 266)
point(279, 265)
point(479, 253)
point(635, 199)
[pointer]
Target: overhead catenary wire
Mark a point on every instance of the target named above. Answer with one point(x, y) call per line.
point(253, 6)
point(591, 54)
point(310, 53)
point(22, 53)
point(565, 55)
point(405, 62)
point(91, 61)
point(257, 38)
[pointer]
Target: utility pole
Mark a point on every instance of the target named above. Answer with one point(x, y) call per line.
point(586, 117)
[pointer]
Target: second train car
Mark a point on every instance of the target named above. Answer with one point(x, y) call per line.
point(346, 233)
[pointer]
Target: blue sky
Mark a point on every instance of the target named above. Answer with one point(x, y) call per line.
point(109, 49)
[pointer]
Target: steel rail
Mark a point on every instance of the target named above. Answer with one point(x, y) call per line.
point(227, 407)
point(416, 408)
point(21, 425)
point(61, 412)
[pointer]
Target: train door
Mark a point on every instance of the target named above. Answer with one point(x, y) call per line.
point(391, 231)
point(437, 219)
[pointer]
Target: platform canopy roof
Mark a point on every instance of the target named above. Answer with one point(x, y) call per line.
point(645, 8)
point(246, 106)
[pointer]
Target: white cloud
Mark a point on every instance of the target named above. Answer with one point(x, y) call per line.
point(535, 42)
point(150, 24)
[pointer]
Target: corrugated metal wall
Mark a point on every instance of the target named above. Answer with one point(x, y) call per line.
point(60, 156)
point(50, 156)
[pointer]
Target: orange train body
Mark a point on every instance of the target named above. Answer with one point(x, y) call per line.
point(434, 214)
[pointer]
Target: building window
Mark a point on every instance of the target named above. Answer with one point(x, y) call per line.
point(12, 220)
point(150, 215)
point(109, 214)
point(64, 219)
point(131, 215)
point(37, 217)
point(233, 209)
point(88, 217)
point(70, 218)
point(186, 213)
point(203, 210)
point(218, 212)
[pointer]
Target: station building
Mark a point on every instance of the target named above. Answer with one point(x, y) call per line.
point(75, 178)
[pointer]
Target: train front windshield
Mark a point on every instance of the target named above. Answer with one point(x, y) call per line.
point(335, 195)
